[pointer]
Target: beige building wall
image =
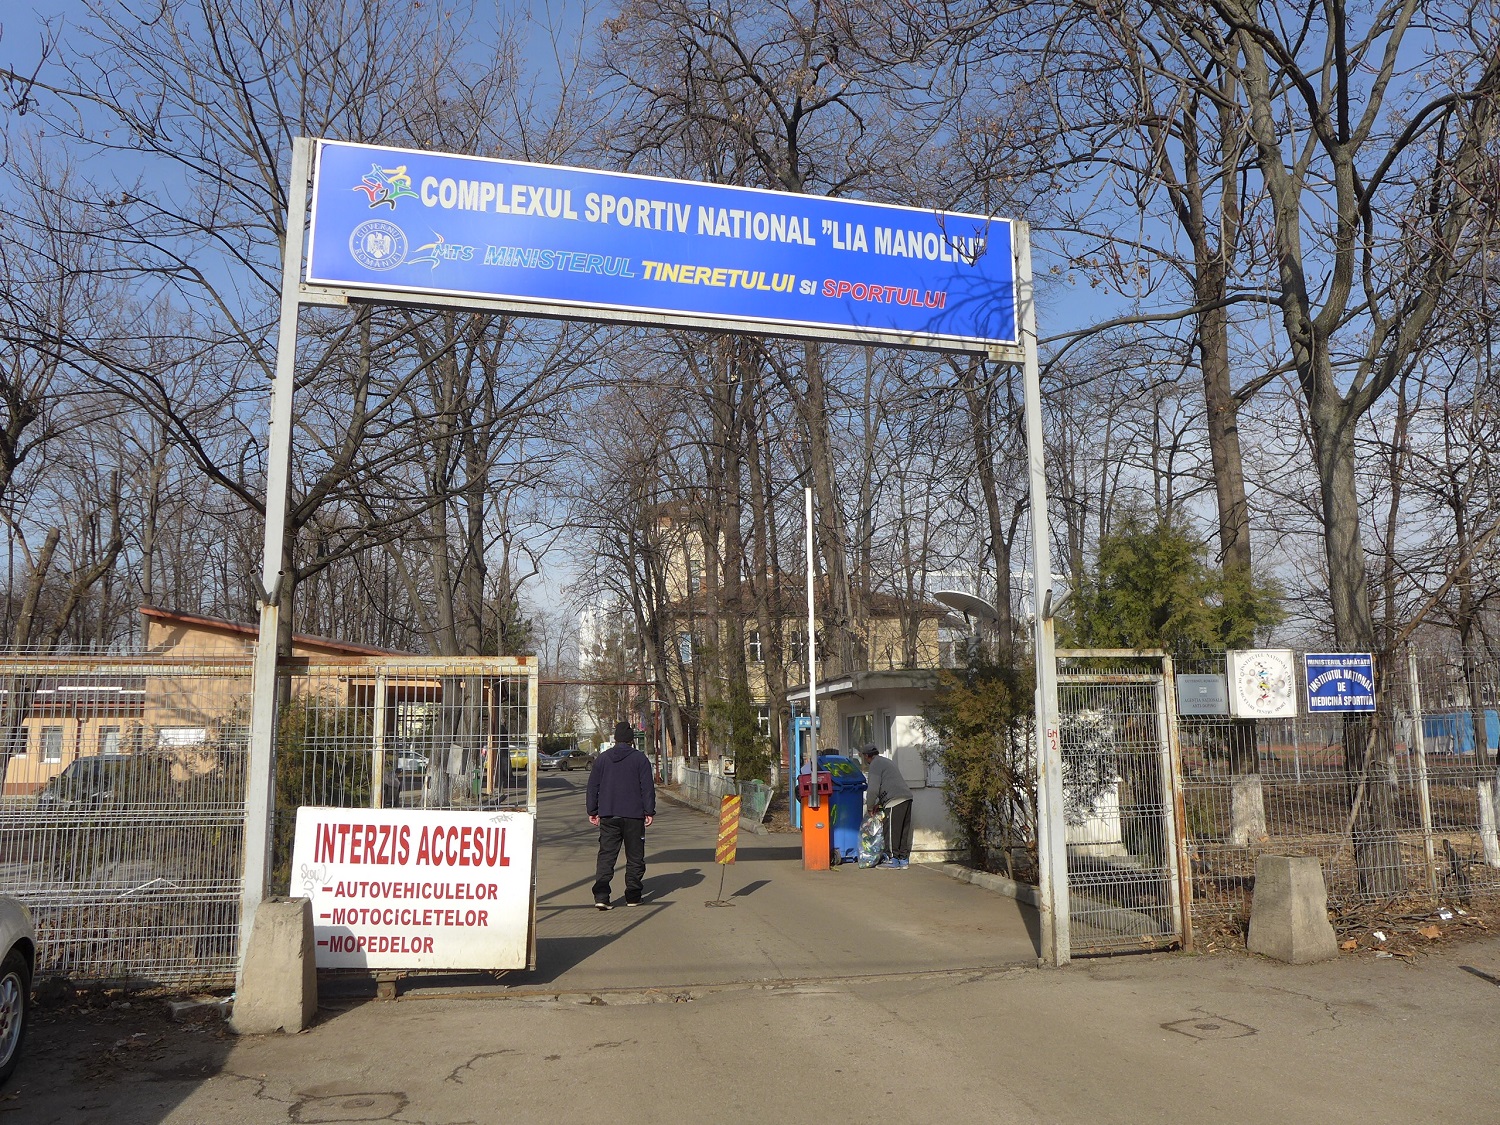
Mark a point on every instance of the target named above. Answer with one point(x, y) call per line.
point(185, 705)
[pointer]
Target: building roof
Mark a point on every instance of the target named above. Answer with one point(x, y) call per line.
point(322, 645)
point(863, 683)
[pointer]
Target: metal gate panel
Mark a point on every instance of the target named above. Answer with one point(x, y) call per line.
point(418, 732)
point(1121, 785)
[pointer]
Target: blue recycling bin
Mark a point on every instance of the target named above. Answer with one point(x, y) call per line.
point(847, 807)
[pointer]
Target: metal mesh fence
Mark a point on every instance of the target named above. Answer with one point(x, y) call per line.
point(451, 733)
point(122, 813)
point(1119, 805)
point(1391, 803)
point(704, 790)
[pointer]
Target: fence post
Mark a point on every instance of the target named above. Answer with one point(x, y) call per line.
point(533, 687)
point(377, 748)
point(1178, 858)
point(1419, 741)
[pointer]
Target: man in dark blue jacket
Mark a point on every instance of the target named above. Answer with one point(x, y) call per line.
point(622, 801)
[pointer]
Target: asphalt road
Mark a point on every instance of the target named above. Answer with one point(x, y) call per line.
point(838, 996)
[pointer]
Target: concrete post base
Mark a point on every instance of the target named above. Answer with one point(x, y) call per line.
point(278, 986)
point(1289, 913)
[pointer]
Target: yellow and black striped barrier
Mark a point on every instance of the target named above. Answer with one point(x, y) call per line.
point(729, 830)
point(729, 841)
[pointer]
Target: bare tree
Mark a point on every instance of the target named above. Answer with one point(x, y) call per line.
point(1371, 182)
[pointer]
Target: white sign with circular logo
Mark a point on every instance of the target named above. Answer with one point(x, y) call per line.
point(1263, 684)
point(378, 244)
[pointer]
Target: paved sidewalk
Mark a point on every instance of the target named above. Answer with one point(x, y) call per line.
point(817, 998)
point(786, 924)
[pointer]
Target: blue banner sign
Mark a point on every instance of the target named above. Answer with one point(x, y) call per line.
point(1340, 681)
point(608, 246)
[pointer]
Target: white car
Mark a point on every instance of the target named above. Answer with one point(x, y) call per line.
point(18, 940)
point(409, 761)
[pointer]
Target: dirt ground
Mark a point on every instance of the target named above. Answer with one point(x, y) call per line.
point(1406, 929)
point(101, 1036)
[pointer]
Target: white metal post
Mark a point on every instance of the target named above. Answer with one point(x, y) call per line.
point(377, 749)
point(1051, 839)
point(812, 662)
point(533, 689)
point(260, 794)
point(1418, 742)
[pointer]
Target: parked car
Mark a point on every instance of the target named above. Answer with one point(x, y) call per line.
point(570, 759)
point(409, 761)
point(86, 782)
point(519, 759)
point(18, 940)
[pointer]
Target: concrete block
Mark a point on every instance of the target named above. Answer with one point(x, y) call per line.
point(278, 986)
point(1289, 912)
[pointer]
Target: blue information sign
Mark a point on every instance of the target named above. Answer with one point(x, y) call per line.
point(608, 246)
point(1340, 681)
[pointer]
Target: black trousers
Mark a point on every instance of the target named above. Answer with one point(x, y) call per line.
point(898, 830)
point(614, 831)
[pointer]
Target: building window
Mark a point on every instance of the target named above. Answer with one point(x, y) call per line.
point(797, 644)
point(109, 740)
point(754, 652)
point(685, 647)
point(52, 738)
point(860, 729)
point(763, 716)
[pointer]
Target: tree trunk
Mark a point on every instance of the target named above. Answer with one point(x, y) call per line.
point(762, 571)
point(842, 650)
point(979, 398)
point(1367, 744)
point(25, 625)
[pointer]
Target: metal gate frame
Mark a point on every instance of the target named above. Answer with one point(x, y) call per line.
point(1052, 880)
point(1162, 680)
point(383, 675)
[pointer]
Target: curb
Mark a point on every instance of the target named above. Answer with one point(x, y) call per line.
point(1021, 892)
point(745, 825)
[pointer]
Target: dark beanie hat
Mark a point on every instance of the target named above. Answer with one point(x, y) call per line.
point(625, 733)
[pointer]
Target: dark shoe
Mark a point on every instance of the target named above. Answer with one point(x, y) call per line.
point(632, 902)
point(603, 904)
